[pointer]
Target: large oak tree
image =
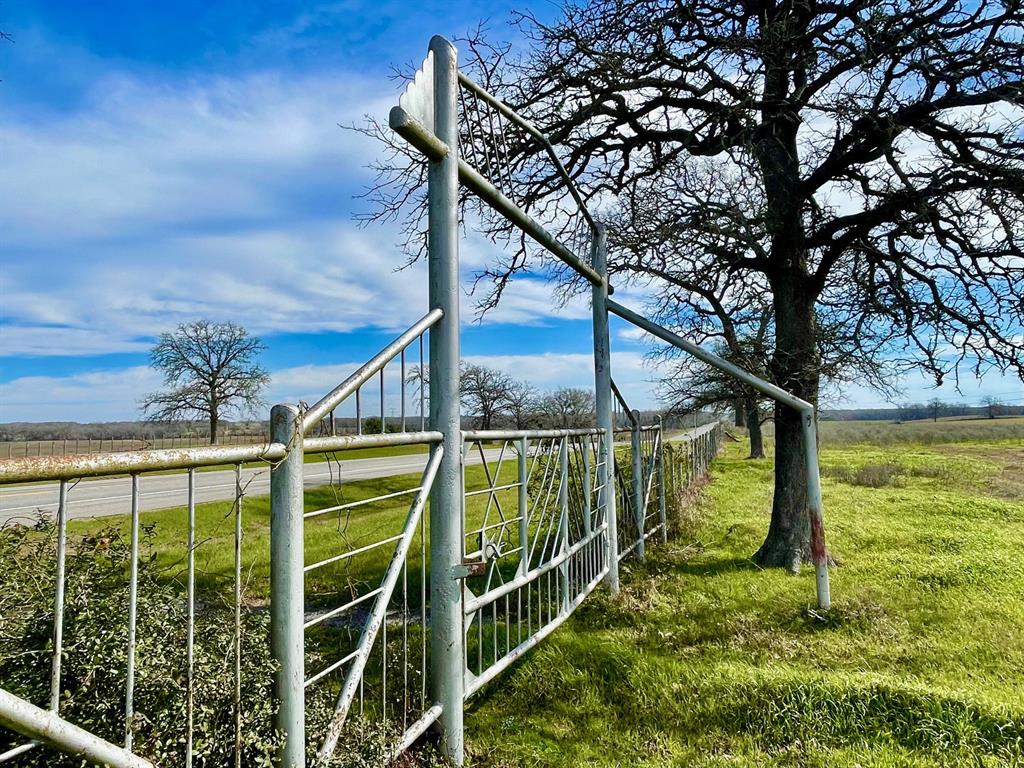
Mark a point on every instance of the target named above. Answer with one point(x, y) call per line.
point(868, 169)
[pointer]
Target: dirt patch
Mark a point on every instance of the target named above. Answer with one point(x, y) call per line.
point(1008, 482)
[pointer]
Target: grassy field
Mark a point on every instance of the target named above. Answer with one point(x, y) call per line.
point(706, 661)
point(923, 432)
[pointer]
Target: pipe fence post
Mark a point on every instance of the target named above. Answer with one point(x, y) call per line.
point(287, 593)
point(819, 554)
point(524, 507)
point(638, 483)
point(662, 512)
point(563, 518)
point(604, 404)
point(447, 636)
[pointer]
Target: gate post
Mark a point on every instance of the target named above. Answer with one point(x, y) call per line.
point(603, 404)
point(638, 483)
point(563, 520)
point(287, 587)
point(447, 638)
point(660, 458)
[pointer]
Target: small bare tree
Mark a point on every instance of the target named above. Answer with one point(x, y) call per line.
point(209, 369)
point(485, 392)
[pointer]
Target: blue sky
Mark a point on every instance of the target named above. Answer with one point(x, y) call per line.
point(167, 161)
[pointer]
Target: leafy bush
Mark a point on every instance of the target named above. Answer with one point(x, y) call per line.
point(93, 673)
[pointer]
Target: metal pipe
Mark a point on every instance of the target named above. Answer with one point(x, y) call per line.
point(524, 502)
point(485, 435)
point(563, 518)
point(639, 506)
point(493, 196)
point(603, 404)
point(130, 462)
point(190, 596)
point(352, 442)
point(58, 597)
point(52, 730)
point(287, 587)
point(659, 447)
point(446, 631)
point(133, 604)
point(530, 128)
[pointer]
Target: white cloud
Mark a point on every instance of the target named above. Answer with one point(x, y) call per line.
point(95, 396)
point(155, 204)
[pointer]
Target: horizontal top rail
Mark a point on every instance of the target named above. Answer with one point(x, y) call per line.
point(516, 434)
point(495, 198)
point(350, 442)
point(317, 412)
point(136, 462)
point(133, 462)
point(693, 434)
point(767, 388)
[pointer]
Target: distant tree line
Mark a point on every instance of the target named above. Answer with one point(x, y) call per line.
point(123, 430)
point(991, 407)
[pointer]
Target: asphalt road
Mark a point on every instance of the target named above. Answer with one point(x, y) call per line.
point(98, 497)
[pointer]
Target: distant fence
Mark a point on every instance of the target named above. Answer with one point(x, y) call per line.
point(20, 449)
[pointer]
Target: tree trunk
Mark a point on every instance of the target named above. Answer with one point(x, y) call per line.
point(214, 423)
point(739, 406)
point(754, 428)
point(795, 367)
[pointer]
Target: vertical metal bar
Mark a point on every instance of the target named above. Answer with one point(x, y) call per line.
point(604, 403)
point(286, 586)
point(587, 492)
point(819, 554)
point(402, 429)
point(58, 597)
point(563, 519)
point(190, 587)
point(659, 446)
point(382, 423)
point(238, 616)
point(133, 604)
point(423, 387)
point(638, 483)
point(446, 544)
point(524, 508)
point(359, 412)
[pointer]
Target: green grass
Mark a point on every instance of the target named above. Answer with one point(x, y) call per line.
point(706, 661)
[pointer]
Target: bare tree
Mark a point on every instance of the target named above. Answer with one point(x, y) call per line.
point(209, 370)
point(880, 142)
point(485, 392)
point(936, 408)
point(567, 408)
point(993, 406)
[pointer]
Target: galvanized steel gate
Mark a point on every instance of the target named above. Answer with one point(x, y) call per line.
point(522, 525)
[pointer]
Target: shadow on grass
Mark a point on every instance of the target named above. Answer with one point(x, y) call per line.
point(714, 567)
